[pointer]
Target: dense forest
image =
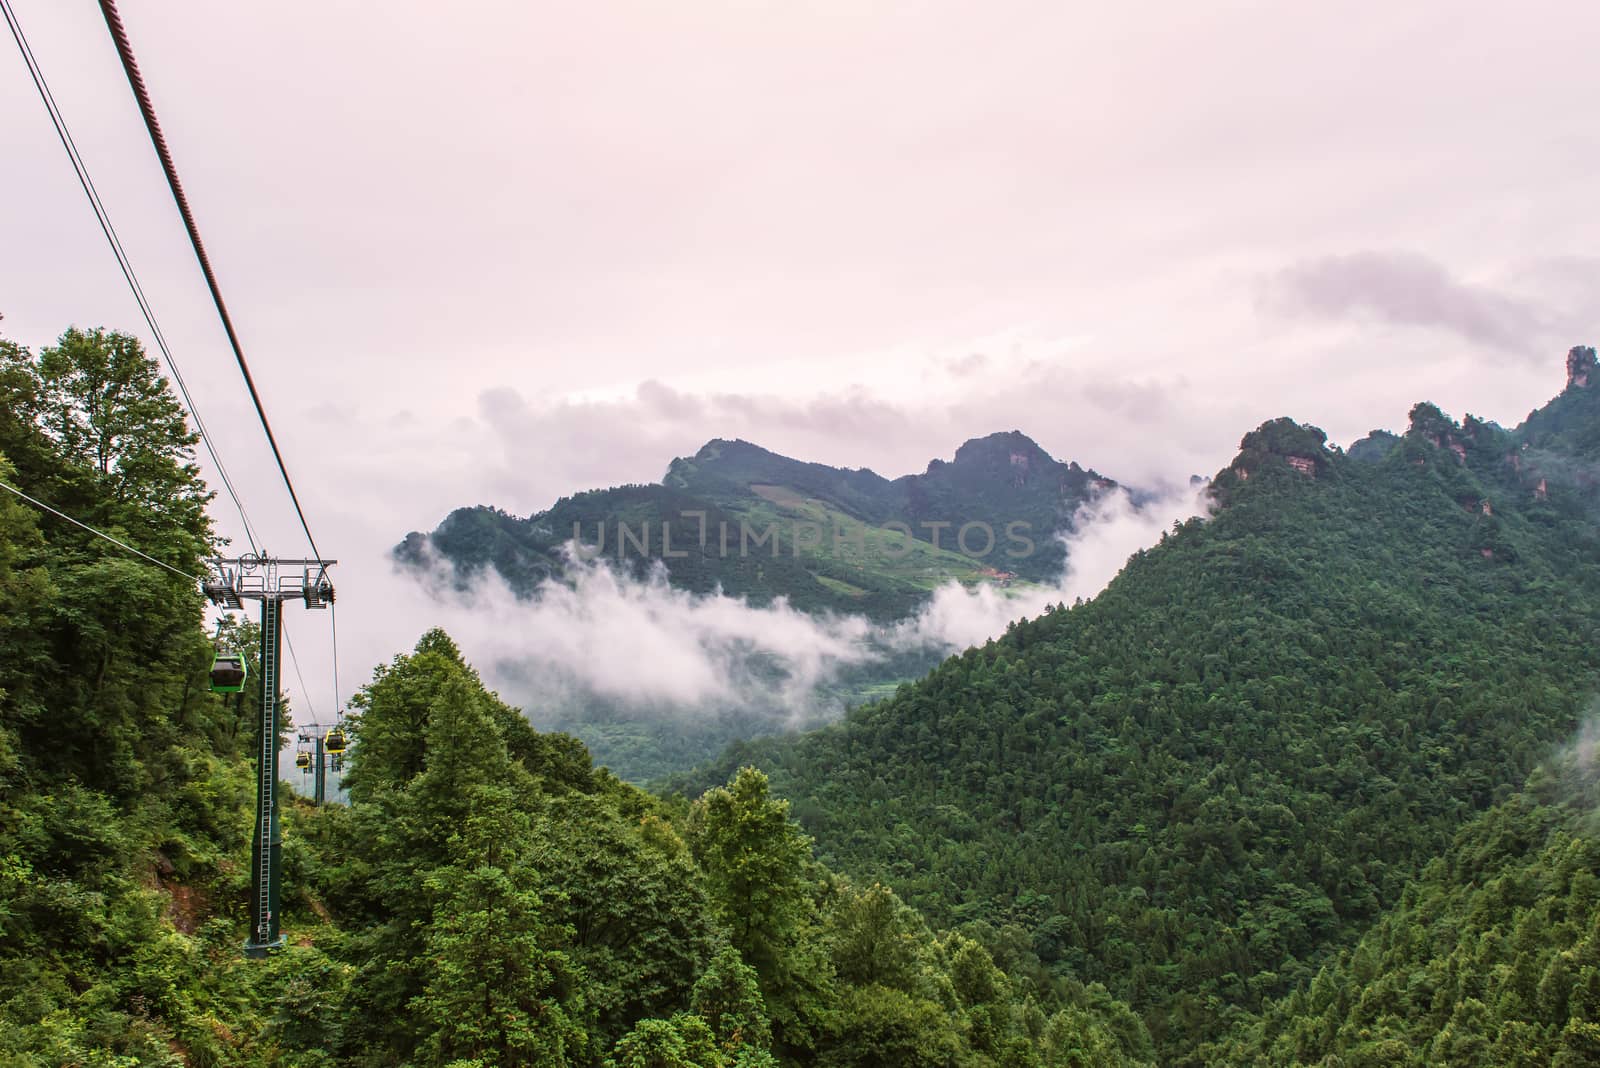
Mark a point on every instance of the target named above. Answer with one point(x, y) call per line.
point(488, 897)
point(1200, 785)
point(1491, 957)
point(1310, 783)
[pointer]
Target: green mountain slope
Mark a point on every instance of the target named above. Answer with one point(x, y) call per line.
point(124, 783)
point(1491, 958)
point(1195, 786)
point(759, 525)
point(488, 897)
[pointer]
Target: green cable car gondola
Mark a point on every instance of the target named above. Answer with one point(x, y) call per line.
point(228, 673)
point(335, 741)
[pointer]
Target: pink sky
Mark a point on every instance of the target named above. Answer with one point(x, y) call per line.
point(497, 252)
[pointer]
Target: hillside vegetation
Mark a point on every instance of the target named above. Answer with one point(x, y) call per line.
point(1309, 783)
point(761, 527)
point(487, 898)
point(1491, 958)
point(828, 550)
point(1199, 785)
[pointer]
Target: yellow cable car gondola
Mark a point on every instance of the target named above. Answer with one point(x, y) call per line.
point(335, 741)
point(303, 762)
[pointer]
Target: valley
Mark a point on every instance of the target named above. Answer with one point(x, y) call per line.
point(740, 522)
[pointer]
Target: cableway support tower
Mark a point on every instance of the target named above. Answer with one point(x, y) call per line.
point(272, 581)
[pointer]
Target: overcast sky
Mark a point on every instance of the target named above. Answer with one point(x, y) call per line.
point(498, 252)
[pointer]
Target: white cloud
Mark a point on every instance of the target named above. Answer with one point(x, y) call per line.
point(706, 240)
point(1406, 289)
point(639, 644)
point(1106, 531)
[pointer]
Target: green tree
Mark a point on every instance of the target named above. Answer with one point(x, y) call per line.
point(728, 998)
point(642, 929)
point(874, 938)
point(681, 1042)
point(876, 1027)
point(755, 860)
point(983, 992)
point(497, 987)
point(109, 412)
point(123, 794)
point(756, 863)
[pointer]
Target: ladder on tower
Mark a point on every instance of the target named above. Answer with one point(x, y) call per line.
point(267, 769)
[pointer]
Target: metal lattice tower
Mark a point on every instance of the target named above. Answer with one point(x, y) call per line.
point(320, 791)
point(272, 582)
point(319, 763)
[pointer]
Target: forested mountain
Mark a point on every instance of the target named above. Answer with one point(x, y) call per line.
point(760, 526)
point(840, 540)
point(1491, 957)
point(1199, 785)
point(1309, 783)
point(487, 898)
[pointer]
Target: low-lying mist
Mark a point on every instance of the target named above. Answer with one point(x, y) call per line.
point(1105, 532)
point(636, 648)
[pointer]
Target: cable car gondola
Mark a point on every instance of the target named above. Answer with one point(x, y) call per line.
point(303, 762)
point(228, 673)
point(335, 741)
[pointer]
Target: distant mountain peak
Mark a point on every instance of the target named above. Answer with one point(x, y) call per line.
point(1582, 366)
point(1003, 448)
point(720, 446)
point(1009, 453)
point(1010, 439)
point(1428, 420)
point(1299, 446)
